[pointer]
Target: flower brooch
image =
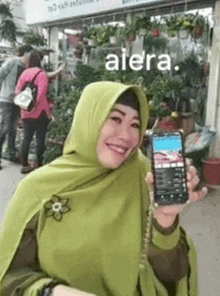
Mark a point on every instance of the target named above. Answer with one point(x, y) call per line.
point(56, 207)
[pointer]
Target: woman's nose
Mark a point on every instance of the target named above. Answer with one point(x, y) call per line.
point(124, 132)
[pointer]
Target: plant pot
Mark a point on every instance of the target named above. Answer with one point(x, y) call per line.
point(85, 41)
point(113, 40)
point(172, 34)
point(131, 37)
point(78, 54)
point(211, 170)
point(155, 32)
point(183, 34)
point(91, 42)
point(167, 124)
point(142, 32)
point(197, 31)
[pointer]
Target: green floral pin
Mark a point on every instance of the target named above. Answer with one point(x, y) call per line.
point(56, 207)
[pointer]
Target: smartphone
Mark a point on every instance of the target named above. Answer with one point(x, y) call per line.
point(169, 168)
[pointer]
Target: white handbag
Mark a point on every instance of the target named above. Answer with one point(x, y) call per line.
point(24, 99)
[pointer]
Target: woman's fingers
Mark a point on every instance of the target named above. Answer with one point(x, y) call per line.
point(197, 195)
point(192, 178)
point(150, 180)
point(192, 182)
point(171, 210)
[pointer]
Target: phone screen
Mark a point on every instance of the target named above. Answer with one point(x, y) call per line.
point(169, 168)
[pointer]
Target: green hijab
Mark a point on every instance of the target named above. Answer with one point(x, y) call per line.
point(106, 205)
point(96, 246)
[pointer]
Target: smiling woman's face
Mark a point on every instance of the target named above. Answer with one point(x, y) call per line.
point(119, 136)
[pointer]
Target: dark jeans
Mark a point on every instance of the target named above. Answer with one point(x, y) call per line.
point(30, 126)
point(8, 116)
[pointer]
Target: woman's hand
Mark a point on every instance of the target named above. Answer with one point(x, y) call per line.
point(61, 290)
point(62, 67)
point(166, 215)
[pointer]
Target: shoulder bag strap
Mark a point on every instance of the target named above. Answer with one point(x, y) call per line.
point(35, 76)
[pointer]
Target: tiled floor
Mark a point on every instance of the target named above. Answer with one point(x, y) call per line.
point(202, 221)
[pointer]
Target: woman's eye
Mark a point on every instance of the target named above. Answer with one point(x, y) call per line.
point(117, 119)
point(136, 125)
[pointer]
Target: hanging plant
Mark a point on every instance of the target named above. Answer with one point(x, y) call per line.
point(143, 25)
point(185, 22)
point(113, 39)
point(104, 33)
point(8, 30)
point(199, 22)
point(184, 25)
point(90, 34)
point(183, 34)
point(91, 42)
point(113, 34)
point(181, 24)
point(5, 10)
point(129, 31)
point(7, 26)
point(131, 37)
point(101, 36)
point(191, 24)
point(170, 25)
point(155, 28)
point(33, 38)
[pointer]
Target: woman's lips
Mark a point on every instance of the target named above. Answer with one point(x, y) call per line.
point(118, 148)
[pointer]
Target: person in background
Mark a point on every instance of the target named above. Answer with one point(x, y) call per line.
point(83, 225)
point(10, 71)
point(38, 118)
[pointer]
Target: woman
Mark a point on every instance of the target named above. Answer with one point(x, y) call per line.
point(77, 225)
point(37, 119)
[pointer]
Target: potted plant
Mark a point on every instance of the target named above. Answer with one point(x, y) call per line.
point(129, 31)
point(90, 34)
point(170, 25)
point(210, 170)
point(143, 25)
point(102, 35)
point(34, 38)
point(155, 28)
point(198, 24)
point(184, 25)
point(113, 34)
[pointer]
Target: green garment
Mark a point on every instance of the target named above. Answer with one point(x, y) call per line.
point(96, 246)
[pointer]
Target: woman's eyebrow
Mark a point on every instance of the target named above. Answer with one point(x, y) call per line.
point(123, 113)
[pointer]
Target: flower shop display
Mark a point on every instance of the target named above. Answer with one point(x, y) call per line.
point(185, 25)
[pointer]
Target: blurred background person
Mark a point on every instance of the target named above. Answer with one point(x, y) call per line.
point(38, 118)
point(10, 71)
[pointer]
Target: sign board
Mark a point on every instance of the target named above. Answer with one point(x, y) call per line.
point(44, 11)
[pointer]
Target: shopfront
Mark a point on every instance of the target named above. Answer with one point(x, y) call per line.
point(64, 19)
